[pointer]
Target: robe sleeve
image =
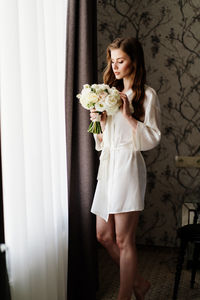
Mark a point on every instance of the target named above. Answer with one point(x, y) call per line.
point(148, 133)
point(98, 144)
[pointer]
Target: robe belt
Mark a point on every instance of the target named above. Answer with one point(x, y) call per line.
point(105, 157)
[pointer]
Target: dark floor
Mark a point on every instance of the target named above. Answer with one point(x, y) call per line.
point(157, 264)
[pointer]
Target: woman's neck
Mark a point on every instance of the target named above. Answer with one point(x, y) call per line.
point(128, 84)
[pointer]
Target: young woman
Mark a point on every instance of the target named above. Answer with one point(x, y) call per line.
point(119, 195)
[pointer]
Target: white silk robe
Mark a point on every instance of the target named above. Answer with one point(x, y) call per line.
point(122, 172)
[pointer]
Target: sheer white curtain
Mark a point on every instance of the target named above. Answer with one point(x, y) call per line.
point(33, 35)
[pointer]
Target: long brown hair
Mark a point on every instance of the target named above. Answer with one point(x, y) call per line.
point(132, 47)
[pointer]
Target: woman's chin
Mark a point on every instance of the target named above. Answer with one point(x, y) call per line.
point(118, 77)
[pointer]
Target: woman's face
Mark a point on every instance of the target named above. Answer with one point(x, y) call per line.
point(122, 64)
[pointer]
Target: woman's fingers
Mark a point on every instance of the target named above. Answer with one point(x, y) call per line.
point(103, 116)
point(94, 115)
point(124, 97)
point(125, 105)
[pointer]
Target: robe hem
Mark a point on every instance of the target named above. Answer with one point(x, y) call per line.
point(113, 213)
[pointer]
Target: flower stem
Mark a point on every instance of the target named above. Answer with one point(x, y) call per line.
point(95, 127)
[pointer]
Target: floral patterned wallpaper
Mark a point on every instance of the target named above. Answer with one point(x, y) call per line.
point(169, 32)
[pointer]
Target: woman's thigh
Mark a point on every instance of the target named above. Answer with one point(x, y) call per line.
point(126, 225)
point(105, 229)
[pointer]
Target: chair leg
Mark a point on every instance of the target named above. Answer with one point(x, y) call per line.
point(195, 263)
point(179, 267)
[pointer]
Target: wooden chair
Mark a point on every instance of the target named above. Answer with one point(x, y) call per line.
point(188, 234)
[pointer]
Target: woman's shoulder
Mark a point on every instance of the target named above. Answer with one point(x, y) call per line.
point(149, 91)
point(151, 96)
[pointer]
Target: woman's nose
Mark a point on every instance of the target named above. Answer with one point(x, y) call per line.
point(114, 66)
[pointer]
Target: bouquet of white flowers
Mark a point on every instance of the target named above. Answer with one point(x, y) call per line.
point(102, 98)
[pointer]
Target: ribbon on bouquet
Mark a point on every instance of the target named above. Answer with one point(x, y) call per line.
point(95, 125)
point(98, 117)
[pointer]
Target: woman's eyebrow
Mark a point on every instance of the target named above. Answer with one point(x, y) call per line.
point(118, 58)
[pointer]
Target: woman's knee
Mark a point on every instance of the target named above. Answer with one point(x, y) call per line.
point(124, 242)
point(105, 238)
point(105, 231)
point(121, 242)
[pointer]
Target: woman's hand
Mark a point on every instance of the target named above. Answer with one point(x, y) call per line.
point(125, 108)
point(103, 116)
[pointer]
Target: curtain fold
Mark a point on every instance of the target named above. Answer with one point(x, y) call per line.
point(81, 158)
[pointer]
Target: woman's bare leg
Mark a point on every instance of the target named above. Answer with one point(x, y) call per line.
point(125, 228)
point(106, 236)
point(141, 287)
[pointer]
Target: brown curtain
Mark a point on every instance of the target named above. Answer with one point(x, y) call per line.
point(81, 156)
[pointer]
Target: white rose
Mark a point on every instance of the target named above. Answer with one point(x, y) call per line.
point(112, 110)
point(86, 86)
point(86, 91)
point(100, 106)
point(88, 100)
point(103, 95)
point(114, 92)
point(95, 87)
point(104, 87)
point(110, 101)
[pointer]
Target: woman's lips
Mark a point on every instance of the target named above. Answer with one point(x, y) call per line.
point(116, 73)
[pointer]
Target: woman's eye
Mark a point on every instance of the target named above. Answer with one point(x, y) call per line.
point(119, 62)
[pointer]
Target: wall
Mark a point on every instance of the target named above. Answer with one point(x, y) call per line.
point(169, 32)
